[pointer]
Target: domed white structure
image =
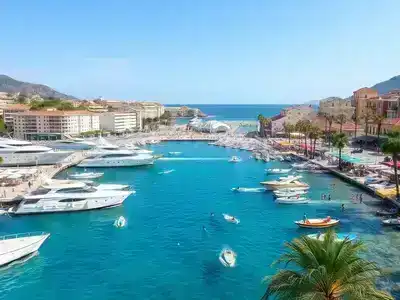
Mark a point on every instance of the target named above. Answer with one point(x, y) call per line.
point(209, 126)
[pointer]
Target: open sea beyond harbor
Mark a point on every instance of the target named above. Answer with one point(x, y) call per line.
point(165, 253)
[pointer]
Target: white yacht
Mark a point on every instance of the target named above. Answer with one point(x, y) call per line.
point(70, 140)
point(16, 246)
point(68, 196)
point(19, 153)
point(138, 150)
point(116, 158)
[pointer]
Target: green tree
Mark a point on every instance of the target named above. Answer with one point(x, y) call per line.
point(315, 134)
point(1, 160)
point(261, 118)
point(392, 146)
point(325, 270)
point(341, 119)
point(329, 119)
point(368, 117)
point(339, 141)
point(378, 120)
point(289, 128)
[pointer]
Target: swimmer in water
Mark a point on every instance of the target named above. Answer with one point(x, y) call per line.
point(212, 214)
point(342, 207)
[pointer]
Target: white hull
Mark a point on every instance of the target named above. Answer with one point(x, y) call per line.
point(86, 175)
point(50, 205)
point(32, 159)
point(292, 201)
point(116, 162)
point(12, 249)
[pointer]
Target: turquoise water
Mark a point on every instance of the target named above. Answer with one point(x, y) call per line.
point(164, 253)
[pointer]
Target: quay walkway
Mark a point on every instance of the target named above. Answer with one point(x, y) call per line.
point(44, 173)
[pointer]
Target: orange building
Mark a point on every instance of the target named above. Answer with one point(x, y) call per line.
point(362, 99)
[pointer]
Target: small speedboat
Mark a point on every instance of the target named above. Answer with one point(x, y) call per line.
point(391, 222)
point(340, 237)
point(300, 200)
point(231, 219)
point(235, 159)
point(228, 258)
point(120, 222)
point(277, 171)
point(87, 175)
point(174, 153)
point(166, 172)
point(248, 190)
point(388, 213)
point(317, 223)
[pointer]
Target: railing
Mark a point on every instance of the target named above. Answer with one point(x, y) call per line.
point(21, 235)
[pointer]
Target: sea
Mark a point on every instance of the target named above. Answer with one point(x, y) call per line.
point(175, 232)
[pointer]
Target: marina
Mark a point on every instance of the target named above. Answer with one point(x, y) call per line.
point(183, 216)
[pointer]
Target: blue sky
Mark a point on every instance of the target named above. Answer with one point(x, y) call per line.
point(201, 51)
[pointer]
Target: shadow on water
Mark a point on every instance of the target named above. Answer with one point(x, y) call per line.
point(211, 272)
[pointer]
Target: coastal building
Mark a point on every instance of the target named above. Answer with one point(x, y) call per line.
point(386, 105)
point(149, 109)
point(290, 115)
point(335, 106)
point(53, 124)
point(10, 111)
point(386, 126)
point(362, 99)
point(119, 121)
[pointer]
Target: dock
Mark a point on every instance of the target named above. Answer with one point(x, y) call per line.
point(45, 173)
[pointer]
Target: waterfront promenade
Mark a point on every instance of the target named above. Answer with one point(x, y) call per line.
point(44, 173)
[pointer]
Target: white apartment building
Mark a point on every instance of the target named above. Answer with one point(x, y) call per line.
point(120, 121)
point(53, 124)
point(10, 111)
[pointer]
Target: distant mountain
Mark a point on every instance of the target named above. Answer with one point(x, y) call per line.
point(388, 85)
point(10, 85)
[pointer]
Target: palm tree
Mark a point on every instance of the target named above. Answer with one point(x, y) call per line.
point(266, 123)
point(315, 134)
point(289, 128)
point(378, 120)
point(306, 128)
point(329, 119)
point(339, 141)
point(341, 119)
point(262, 129)
point(368, 115)
point(325, 270)
point(392, 146)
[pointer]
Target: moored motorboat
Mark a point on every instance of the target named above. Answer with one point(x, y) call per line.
point(277, 171)
point(388, 213)
point(285, 182)
point(391, 222)
point(16, 246)
point(227, 257)
point(340, 237)
point(289, 194)
point(231, 219)
point(300, 200)
point(293, 189)
point(235, 159)
point(317, 223)
point(87, 175)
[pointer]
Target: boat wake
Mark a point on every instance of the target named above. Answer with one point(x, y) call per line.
point(166, 172)
point(193, 158)
point(19, 261)
point(249, 190)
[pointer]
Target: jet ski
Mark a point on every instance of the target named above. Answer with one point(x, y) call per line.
point(231, 219)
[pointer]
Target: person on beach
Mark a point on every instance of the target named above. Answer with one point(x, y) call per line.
point(329, 197)
point(29, 184)
point(361, 199)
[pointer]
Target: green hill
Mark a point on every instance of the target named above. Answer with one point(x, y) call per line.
point(11, 85)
